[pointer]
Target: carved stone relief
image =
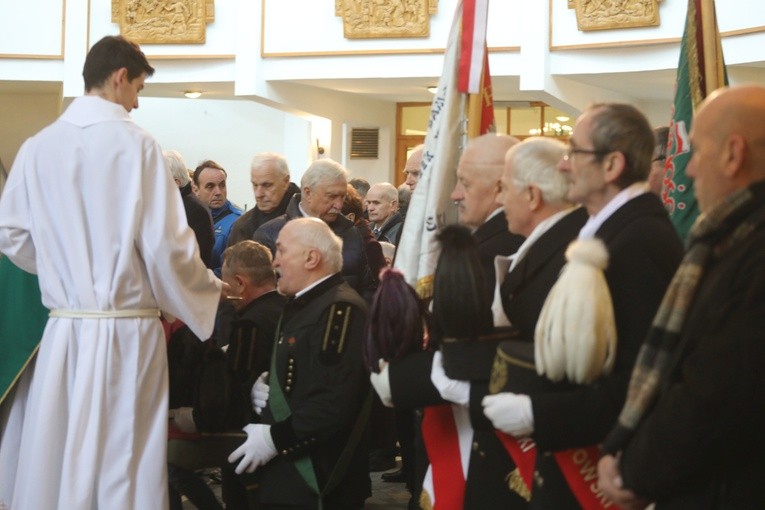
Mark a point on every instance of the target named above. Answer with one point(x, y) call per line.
point(367, 19)
point(163, 21)
point(610, 14)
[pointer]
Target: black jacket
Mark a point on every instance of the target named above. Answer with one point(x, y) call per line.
point(494, 239)
point(320, 369)
point(702, 444)
point(644, 252)
point(199, 219)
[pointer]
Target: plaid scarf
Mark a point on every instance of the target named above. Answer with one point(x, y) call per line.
point(712, 235)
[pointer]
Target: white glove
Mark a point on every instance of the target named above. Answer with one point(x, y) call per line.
point(256, 451)
point(510, 413)
point(184, 418)
point(381, 384)
point(452, 390)
point(259, 393)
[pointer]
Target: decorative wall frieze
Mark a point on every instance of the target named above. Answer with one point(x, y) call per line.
point(163, 21)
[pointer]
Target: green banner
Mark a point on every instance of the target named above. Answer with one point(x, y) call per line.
point(22, 321)
point(691, 88)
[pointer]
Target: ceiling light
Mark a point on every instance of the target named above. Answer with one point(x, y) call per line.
point(562, 118)
point(192, 94)
point(433, 89)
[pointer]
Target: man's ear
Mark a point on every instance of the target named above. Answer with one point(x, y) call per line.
point(312, 259)
point(120, 76)
point(535, 197)
point(733, 152)
point(614, 164)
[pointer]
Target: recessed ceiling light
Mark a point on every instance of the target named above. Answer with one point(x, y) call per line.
point(192, 94)
point(562, 118)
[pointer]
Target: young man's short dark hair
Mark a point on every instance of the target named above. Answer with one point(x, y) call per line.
point(111, 53)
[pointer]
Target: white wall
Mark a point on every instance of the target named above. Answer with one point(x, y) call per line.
point(229, 132)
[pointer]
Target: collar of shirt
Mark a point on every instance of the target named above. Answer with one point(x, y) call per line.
point(535, 234)
point(594, 223)
point(314, 284)
point(302, 211)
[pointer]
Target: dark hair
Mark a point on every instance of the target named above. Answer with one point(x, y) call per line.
point(360, 185)
point(208, 163)
point(111, 53)
point(662, 135)
point(622, 127)
point(352, 204)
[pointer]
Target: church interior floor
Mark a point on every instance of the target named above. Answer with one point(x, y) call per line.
point(385, 496)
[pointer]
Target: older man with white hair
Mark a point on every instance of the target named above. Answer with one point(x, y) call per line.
point(271, 186)
point(311, 442)
point(323, 189)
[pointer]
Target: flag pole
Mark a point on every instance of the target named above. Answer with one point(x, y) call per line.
point(713, 70)
point(475, 109)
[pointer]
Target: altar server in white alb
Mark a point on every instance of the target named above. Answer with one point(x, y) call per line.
point(90, 208)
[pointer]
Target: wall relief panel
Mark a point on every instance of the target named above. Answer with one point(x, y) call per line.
point(614, 14)
point(163, 21)
point(369, 19)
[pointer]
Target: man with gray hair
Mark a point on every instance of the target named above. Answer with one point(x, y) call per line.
point(535, 200)
point(323, 189)
point(197, 213)
point(270, 178)
point(311, 442)
point(382, 207)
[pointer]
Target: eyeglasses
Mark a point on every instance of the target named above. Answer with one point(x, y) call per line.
point(573, 150)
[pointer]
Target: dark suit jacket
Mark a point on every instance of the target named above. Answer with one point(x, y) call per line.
point(702, 444)
point(494, 239)
point(525, 289)
point(523, 294)
point(199, 219)
point(644, 252)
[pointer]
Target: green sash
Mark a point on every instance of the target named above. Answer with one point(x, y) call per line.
point(280, 410)
point(22, 321)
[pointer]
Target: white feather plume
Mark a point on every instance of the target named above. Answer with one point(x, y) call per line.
point(575, 336)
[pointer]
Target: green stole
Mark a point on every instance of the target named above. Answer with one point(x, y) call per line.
point(22, 321)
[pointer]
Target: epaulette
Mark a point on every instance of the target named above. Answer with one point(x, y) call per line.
point(242, 349)
point(335, 335)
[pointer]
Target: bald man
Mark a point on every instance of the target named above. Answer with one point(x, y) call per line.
point(479, 183)
point(691, 432)
point(412, 170)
